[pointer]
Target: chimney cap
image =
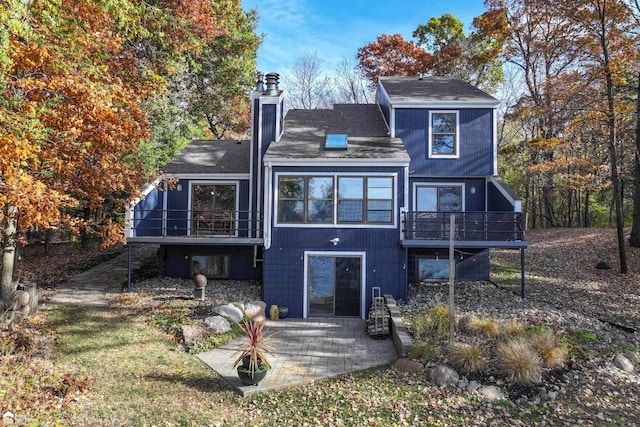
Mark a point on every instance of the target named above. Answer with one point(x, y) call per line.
point(272, 84)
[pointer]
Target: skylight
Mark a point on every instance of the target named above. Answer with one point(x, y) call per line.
point(335, 141)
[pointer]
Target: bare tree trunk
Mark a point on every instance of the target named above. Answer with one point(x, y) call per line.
point(8, 256)
point(587, 222)
point(635, 226)
point(615, 178)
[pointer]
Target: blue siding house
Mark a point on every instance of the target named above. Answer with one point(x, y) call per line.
point(325, 205)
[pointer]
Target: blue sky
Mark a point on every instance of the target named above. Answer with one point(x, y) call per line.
point(335, 29)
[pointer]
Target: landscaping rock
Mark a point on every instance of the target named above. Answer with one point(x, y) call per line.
point(255, 310)
point(408, 365)
point(218, 324)
point(603, 265)
point(230, 311)
point(191, 333)
point(490, 393)
point(473, 386)
point(443, 375)
point(632, 356)
point(621, 362)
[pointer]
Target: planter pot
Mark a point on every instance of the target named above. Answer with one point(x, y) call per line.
point(247, 379)
point(246, 361)
point(284, 312)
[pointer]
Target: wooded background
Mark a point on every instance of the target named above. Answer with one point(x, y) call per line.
point(97, 95)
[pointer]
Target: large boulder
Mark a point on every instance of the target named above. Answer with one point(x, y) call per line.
point(407, 365)
point(443, 375)
point(230, 311)
point(191, 333)
point(621, 362)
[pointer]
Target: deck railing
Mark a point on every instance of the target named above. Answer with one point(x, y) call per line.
point(469, 226)
point(195, 223)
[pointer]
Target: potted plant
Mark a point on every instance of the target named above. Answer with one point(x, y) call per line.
point(252, 362)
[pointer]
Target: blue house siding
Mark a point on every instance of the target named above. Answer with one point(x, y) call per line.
point(176, 260)
point(176, 214)
point(147, 214)
point(476, 136)
point(284, 262)
point(496, 200)
point(268, 126)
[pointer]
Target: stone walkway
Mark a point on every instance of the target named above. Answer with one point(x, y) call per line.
point(308, 349)
point(99, 285)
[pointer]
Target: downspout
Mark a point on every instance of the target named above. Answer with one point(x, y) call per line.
point(268, 206)
point(495, 142)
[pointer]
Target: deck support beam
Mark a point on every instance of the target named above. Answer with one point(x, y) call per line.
point(129, 272)
point(522, 286)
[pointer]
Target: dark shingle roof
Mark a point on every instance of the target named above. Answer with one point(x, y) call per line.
point(367, 135)
point(211, 156)
point(433, 89)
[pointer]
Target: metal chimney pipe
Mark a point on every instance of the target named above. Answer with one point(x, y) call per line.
point(272, 83)
point(260, 82)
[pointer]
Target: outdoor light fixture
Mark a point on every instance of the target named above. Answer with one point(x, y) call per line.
point(335, 241)
point(179, 187)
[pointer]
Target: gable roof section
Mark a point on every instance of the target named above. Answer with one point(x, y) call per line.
point(367, 135)
point(211, 157)
point(438, 92)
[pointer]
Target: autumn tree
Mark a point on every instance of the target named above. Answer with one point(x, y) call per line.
point(71, 121)
point(472, 58)
point(392, 55)
point(76, 78)
point(222, 74)
point(539, 45)
point(607, 48)
point(634, 239)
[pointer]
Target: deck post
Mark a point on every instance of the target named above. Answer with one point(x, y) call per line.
point(129, 252)
point(522, 291)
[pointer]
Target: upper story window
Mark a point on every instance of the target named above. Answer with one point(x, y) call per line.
point(439, 198)
point(314, 200)
point(365, 200)
point(213, 209)
point(443, 134)
point(305, 199)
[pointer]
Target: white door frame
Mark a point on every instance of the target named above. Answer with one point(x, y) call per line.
point(334, 254)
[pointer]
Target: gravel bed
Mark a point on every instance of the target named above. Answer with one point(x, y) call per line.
point(217, 292)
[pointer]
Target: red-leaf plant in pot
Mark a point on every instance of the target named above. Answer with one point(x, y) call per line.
point(252, 361)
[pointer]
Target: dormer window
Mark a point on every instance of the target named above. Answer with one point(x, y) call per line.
point(443, 134)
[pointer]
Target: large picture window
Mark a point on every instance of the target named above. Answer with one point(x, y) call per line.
point(213, 209)
point(358, 199)
point(443, 134)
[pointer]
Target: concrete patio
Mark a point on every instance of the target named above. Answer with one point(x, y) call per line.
point(308, 350)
